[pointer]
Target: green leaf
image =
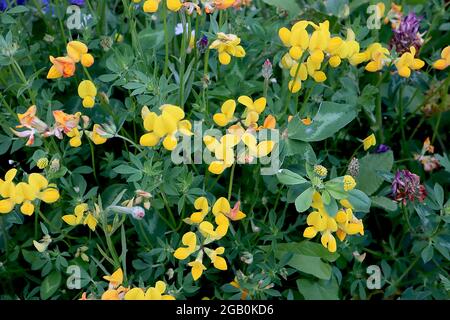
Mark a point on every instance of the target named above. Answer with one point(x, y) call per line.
point(304, 200)
point(439, 194)
point(330, 118)
point(368, 179)
point(307, 257)
point(50, 285)
point(124, 169)
point(18, 9)
point(151, 39)
point(318, 290)
point(427, 253)
point(444, 161)
point(290, 178)
point(384, 203)
point(304, 149)
point(289, 5)
point(359, 200)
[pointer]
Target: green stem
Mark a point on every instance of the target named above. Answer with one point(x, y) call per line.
point(166, 41)
point(184, 37)
point(230, 185)
point(173, 224)
point(379, 112)
point(93, 160)
point(5, 235)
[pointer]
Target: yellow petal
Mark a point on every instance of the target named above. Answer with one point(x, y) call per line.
point(54, 73)
point(260, 104)
point(309, 232)
point(285, 36)
point(37, 181)
point(149, 140)
point(174, 5)
point(70, 219)
point(87, 88)
point(75, 49)
point(220, 263)
point(160, 286)
point(6, 206)
point(149, 121)
point(264, 148)
point(224, 58)
point(135, 294)
point(88, 102)
point(175, 112)
point(116, 278)
point(90, 221)
point(220, 119)
point(110, 294)
point(217, 167)
point(151, 6)
point(221, 206)
point(49, 195)
point(87, 60)
point(170, 142)
point(228, 108)
point(27, 208)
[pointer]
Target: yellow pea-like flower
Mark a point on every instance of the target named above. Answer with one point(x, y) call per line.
point(444, 62)
point(370, 141)
point(87, 91)
point(227, 113)
point(189, 240)
point(174, 5)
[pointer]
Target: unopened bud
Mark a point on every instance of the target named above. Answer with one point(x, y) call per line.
point(42, 163)
point(267, 70)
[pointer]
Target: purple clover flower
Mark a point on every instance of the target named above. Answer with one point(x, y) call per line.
point(202, 44)
point(407, 34)
point(406, 186)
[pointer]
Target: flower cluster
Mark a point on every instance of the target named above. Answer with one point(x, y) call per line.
point(223, 213)
point(118, 292)
point(227, 45)
point(325, 197)
point(243, 130)
point(164, 126)
point(406, 186)
point(25, 194)
point(82, 215)
point(68, 124)
point(65, 66)
point(343, 223)
point(406, 34)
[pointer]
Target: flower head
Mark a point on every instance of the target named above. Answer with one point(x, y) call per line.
point(406, 186)
point(407, 35)
point(444, 62)
point(165, 126)
point(408, 62)
point(87, 91)
point(62, 67)
point(228, 45)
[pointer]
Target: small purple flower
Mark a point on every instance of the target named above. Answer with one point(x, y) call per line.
point(406, 186)
point(382, 148)
point(202, 44)
point(407, 34)
point(77, 2)
point(4, 3)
